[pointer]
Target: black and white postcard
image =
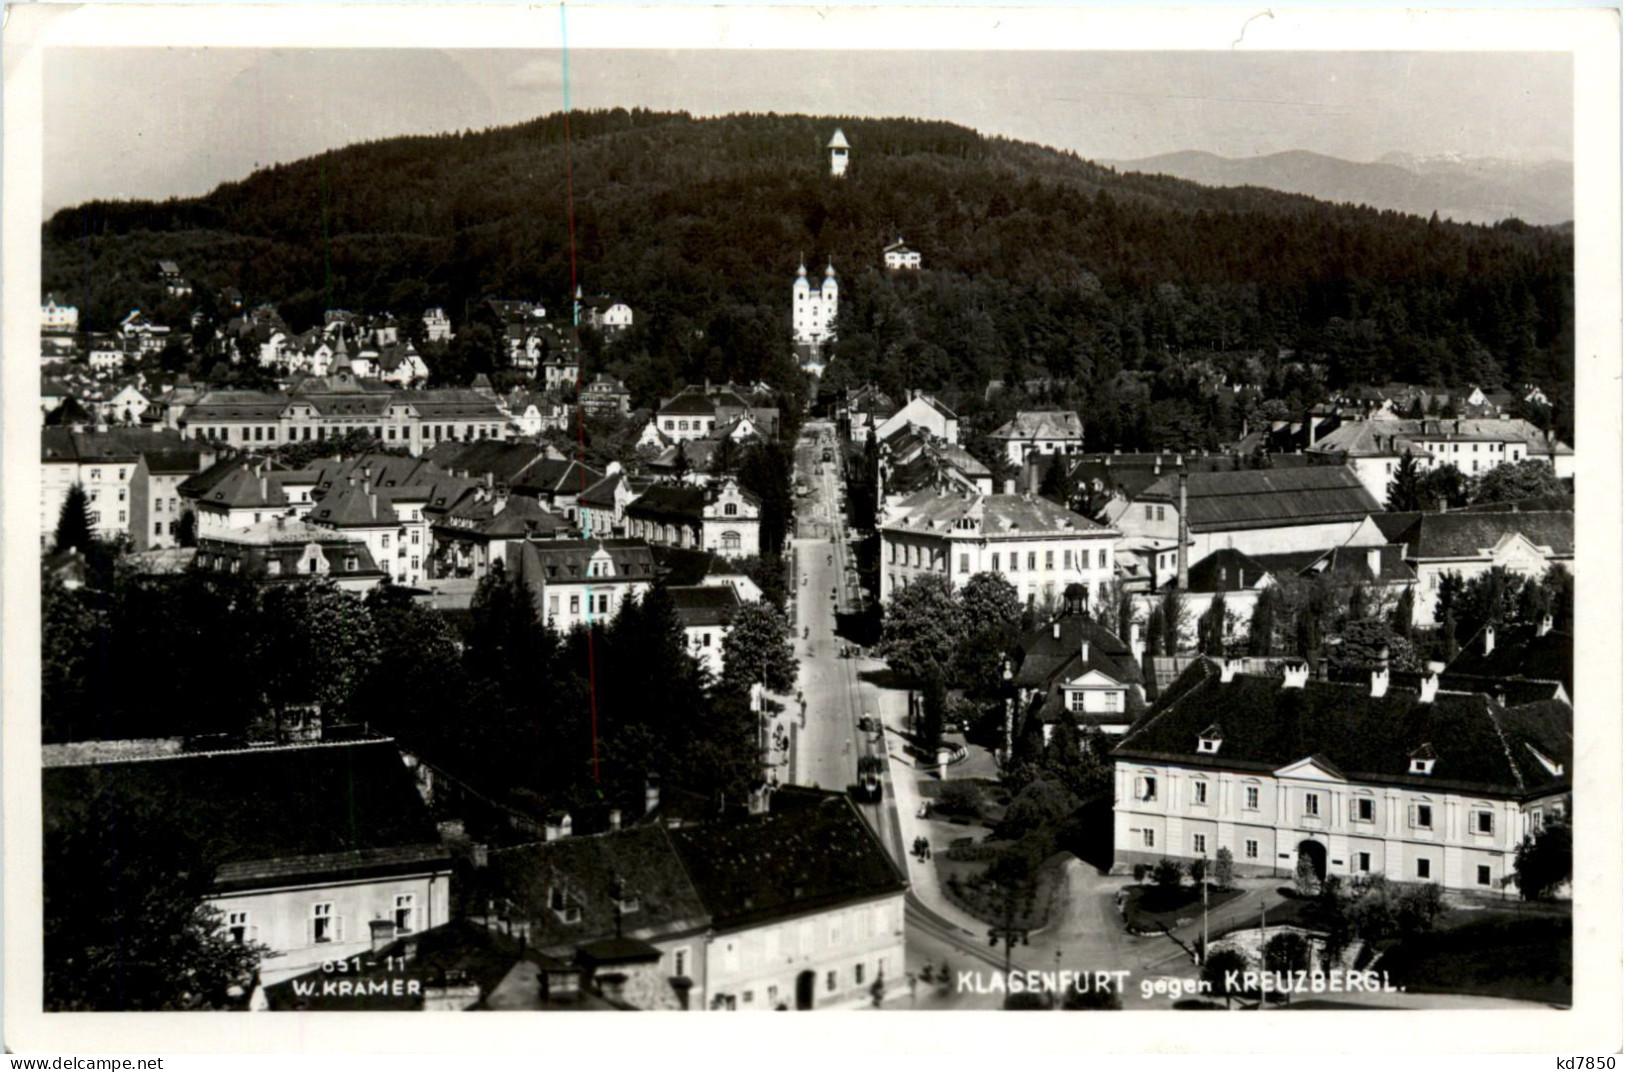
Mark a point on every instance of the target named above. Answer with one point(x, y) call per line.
point(926, 511)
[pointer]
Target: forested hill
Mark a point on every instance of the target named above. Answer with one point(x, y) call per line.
point(1037, 262)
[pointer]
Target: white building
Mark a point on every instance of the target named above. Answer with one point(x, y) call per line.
point(1037, 546)
point(707, 613)
point(579, 582)
point(813, 314)
point(1375, 448)
point(924, 412)
point(58, 318)
point(1470, 543)
point(436, 325)
point(1040, 432)
point(898, 257)
point(838, 147)
point(1421, 785)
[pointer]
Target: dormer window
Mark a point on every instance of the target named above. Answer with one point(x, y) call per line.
point(1208, 742)
point(563, 906)
point(1422, 760)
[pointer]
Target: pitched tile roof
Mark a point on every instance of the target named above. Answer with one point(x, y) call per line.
point(989, 515)
point(676, 502)
point(1045, 657)
point(1368, 739)
point(1265, 498)
point(566, 561)
point(705, 604)
point(1520, 652)
point(1042, 424)
point(336, 811)
point(790, 861)
point(1470, 535)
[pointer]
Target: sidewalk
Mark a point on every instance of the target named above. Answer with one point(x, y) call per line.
point(892, 706)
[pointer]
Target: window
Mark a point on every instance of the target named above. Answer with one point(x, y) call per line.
point(1199, 844)
point(405, 913)
point(273, 566)
point(1199, 793)
point(772, 994)
point(575, 604)
point(1160, 516)
point(95, 474)
point(1148, 513)
point(1362, 862)
point(157, 528)
point(121, 518)
point(730, 509)
point(995, 562)
point(1424, 868)
point(829, 981)
point(1074, 701)
point(385, 544)
point(603, 604)
point(1422, 816)
point(964, 563)
point(237, 926)
point(1146, 787)
point(1365, 809)
point(351, 564)
point(1150, 839)
point(416, 564)
point(552, 605)
point(1015, 561)
point(857, 974)
point(323, 924)
point(1066, 559)
point(1483, 822)
point(1311, 803)
point(1032, 560)
point(1049, 560)
point(1252, 798)
point(1483, 874)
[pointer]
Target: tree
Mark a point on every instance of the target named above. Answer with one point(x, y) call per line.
point(1545, 860)
point(922, 628)
point(1512, 481)
point(317, 642)
point(1224, 869)
point(141, 936)
point(1369, 644)
point(1446, 484)
point(1220, 968)
point(1404, 615)
point(73, 528)
point(991, 614)
point(1358, 610)
point(1211, 627)
point(757, 648)
point(1198, 870)
point(1043, 803)
point(186, 529)
point(1261, 626)
point(933, 712)
point(1286, 953)
point(1304, 877)
point(1176, 619)
point(1405, 489)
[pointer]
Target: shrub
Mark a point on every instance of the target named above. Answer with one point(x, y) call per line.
point(1198, 870)
point(1141, 871)
point(1168, 873)
point(1224, 869)
point(960, 798)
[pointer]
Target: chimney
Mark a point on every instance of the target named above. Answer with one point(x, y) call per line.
point(1309, 425)
point(1032, 477)
point(1055, 629)
point(759, 798)
point(1009, 487)
point(1156, 466)
point(614, 819)
point(558, 825)
point(1545, 626)
point(1184, 533)
point(1084, 651)
point(1136, 644)
point(1489, 639)
point(1373, 562)
point(1382, 658)
point(1444, 505)
point(1379, 683)
point(651, 794)
point(1227, 671)
point(383, 933)
point(1296, 676)
point(1430, 687)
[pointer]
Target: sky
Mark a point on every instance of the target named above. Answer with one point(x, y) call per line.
point(176, 122)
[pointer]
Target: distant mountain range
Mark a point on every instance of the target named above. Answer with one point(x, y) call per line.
point(1461, 188)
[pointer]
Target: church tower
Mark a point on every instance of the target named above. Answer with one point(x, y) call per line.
point(829, 298)
point(803, 310)
point(837, 154)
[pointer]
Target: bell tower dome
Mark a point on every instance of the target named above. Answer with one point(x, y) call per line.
point(838, 147)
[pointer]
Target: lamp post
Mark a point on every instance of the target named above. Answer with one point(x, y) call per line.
point(1009, 711)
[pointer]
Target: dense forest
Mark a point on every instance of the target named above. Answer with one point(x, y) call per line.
point(1039, 265)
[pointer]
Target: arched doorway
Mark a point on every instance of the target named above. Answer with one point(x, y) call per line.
point(1315, 852)
point(805, 984)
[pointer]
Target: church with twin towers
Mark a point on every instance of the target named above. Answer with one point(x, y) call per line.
point(813, 312)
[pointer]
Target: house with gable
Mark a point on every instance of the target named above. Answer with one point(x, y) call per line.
point(1470, 543)
point(1040, 432)
point(924, 413)
point(1077, 669)
point(706, 612)
point(578, 582)
point(1422, 785)
point(722, 517)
